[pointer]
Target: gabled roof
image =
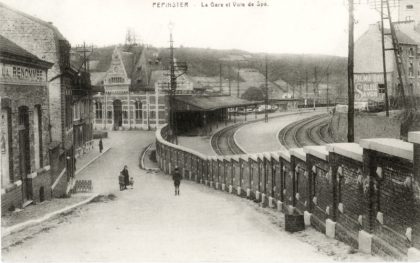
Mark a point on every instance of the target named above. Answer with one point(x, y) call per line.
point(128, 61)
point(9, 49)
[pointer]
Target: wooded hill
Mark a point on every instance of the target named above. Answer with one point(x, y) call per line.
point(292, 68)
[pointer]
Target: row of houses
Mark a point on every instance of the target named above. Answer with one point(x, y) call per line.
point(46, 111)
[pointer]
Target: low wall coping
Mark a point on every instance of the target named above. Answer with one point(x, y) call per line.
point(267, 155)
point(235, 158)
point(159, 138)
point(320, 152)
point(244, 157)
point(389, 146)
point(285, 155)
point(350, 150)
point(414, 137)
point(253, 156)
point(299, 153)
point(275, 156)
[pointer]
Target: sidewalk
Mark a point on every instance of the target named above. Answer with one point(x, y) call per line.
point(34, 214)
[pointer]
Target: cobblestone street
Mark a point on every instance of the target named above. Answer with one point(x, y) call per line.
point(149, 223)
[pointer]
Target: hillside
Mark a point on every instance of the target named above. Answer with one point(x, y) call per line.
point(291, 68)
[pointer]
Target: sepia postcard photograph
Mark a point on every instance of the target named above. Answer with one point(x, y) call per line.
point(210, 131)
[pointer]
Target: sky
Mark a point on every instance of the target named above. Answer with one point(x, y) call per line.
point(284, 26)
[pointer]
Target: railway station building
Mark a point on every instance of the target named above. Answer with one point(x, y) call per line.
point(134, 89)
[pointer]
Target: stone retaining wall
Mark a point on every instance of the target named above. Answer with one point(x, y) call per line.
point(366, 195)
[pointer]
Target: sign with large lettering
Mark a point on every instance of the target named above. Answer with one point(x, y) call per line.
point(369, 86)
point(17, 74)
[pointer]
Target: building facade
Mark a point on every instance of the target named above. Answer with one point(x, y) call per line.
point(45, 41)
point(24, 127)
point(368, 64)
point(135, 91)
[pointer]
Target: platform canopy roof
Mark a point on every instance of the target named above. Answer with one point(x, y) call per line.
point(209, 103)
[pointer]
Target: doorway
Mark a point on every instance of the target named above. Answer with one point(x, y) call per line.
point(117, 114)
point(24, 152)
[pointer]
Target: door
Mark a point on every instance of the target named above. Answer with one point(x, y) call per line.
point(24, 152)
point(117, 114)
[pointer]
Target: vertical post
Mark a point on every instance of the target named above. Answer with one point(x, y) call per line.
point(237, 80)
point(350, 76)
point(230, 88)
point(306, 87)
point(315, 87)
point(266, 91)
point(220, 80)
point(128, 111)
point(106, 109)
point(328, 81)
point(384, 59)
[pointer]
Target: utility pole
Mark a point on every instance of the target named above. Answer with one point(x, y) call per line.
point(237, 79)
point(384, 59)
point(328, 81)
point(172, 89)
point(220, 80)
point(306, 87)
point(315, 86)
point(266, 90)
point(230, 88)
point(350, 76)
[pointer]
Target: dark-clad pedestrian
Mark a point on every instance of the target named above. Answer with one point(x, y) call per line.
point(124, 172)
point(101, 146)
point(176, 176)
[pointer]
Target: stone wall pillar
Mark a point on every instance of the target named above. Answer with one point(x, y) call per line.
point(414, 137)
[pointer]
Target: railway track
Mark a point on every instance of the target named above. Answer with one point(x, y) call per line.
point(309, 131)
point(223, 141)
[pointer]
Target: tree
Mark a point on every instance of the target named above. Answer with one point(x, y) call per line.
point(253, 94)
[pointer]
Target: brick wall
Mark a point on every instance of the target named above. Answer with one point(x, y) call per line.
point(322, 191)
point(39, 38)
point(11, 199)
point(42, 180)
point(288, 190)
point(341, 191)
point(350, 197)
point(393, 202)
point(301, 185)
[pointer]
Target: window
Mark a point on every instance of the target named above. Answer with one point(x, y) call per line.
point(409, 6)
point(6, 169)
point(138, 110)
point(98, 111)
point(418, 69)
point(381, 88)
point(116, 80)
point(411, 52)
point(410, 69)
point(38, 119)
point(410, 89)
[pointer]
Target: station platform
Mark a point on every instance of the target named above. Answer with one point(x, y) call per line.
point(264, 135)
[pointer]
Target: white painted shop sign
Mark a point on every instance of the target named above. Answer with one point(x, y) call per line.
point(21, 74)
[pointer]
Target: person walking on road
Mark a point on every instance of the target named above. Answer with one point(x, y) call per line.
point(101, 146)
point(124, 172)
point(176, 176)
